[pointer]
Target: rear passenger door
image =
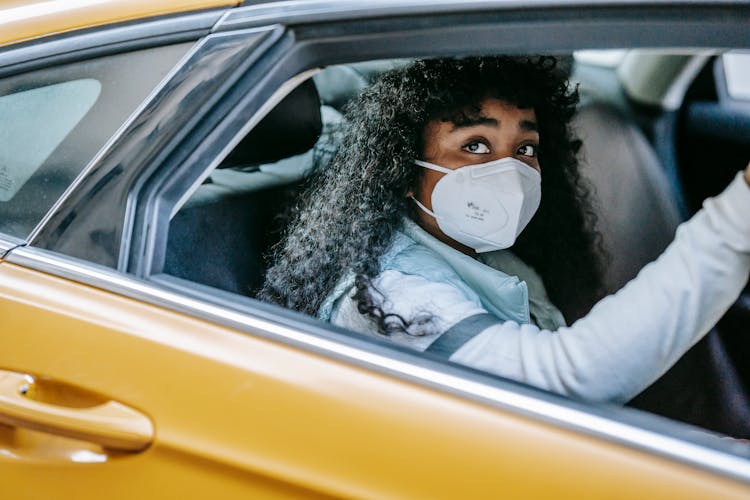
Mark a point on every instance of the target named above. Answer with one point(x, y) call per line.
point(217, 395)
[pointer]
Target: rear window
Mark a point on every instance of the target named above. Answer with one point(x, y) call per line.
point(737, 74)
point(54, 121)
point(34, 124)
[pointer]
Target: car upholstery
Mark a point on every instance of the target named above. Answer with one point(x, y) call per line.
point(638, 214)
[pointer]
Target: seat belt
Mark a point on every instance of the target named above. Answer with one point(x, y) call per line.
point(459, 334)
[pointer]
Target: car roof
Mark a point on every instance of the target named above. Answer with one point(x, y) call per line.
point(22, 20)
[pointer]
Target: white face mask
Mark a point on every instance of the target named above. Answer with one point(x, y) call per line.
point(485, 206)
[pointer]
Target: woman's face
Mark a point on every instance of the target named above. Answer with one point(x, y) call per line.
point(501, 130)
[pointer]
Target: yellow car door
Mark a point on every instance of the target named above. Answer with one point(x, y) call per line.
point(106, 395)
point(114, 385)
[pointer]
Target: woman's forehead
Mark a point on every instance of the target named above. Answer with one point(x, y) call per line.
point(490, 112)
point(486, 110)
point(496, 109)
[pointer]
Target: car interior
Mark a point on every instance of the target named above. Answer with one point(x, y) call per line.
point(650, 155)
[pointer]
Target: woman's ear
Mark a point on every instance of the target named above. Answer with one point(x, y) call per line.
point(410, 194)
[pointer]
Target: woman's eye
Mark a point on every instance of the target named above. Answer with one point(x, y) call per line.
point(527, 150)
point(477, 147)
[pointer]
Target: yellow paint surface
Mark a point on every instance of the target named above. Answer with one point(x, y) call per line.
point(28, 19)
point(237, 416)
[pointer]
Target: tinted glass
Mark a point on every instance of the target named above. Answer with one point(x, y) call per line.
point(54, 121)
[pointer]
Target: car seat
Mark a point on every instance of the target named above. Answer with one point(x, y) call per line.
point(221, 235)
point(237, 214)
point(638, 215)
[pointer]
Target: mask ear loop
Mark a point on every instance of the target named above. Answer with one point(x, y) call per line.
point(431, 166)
point(424, 208)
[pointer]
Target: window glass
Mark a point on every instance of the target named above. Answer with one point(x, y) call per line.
point(53, 122)
point(34, 123)
point(605, 58)
point(737, 73)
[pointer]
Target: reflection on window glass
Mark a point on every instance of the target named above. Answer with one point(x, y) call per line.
point(737, 73)
point(54, 121)
point(605, 58)
point(34, 123)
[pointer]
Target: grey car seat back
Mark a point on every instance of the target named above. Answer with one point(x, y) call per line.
point(637, 211)
point(220, 238)
point(638, 215)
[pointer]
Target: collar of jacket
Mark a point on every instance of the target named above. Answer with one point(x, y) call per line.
point(503, 295)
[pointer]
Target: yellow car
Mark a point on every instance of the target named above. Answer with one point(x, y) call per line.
point(145, 148)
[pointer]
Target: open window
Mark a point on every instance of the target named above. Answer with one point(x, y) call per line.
point(238, 211)
point(204, 228)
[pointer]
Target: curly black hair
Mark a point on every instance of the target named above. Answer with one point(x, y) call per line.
point(347, 217)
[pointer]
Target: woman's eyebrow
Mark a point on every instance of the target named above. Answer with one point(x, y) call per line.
point(529, 125)
point(482, 120)
point(526, 125)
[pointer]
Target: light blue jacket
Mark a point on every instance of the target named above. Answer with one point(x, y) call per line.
point(506, 296)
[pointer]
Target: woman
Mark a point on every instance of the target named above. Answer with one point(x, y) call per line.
point(413, 232)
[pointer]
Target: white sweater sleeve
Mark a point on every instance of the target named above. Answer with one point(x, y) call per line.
point(629, 339)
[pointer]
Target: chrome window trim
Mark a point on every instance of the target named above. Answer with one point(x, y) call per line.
point(311, 11)
point(631, 428)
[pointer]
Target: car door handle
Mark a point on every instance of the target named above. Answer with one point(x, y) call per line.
point(109, 424)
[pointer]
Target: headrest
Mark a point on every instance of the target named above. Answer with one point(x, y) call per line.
point(340, 84)
point(291, 128)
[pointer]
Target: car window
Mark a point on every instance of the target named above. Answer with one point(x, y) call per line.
point(242, 209)
point(737, 74)
point(243, 205)
point(56, 109)
point(55, 120)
